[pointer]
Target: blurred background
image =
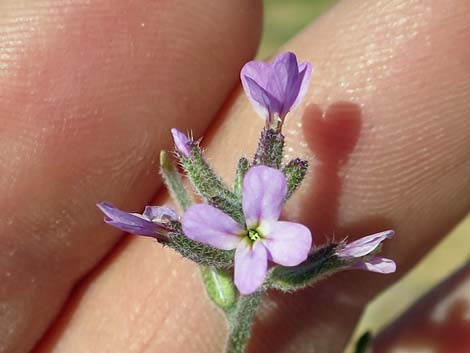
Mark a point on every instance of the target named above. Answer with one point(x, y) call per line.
point(282, 20)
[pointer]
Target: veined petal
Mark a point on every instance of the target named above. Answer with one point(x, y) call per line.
point(305, 74)
point(258, 71)
point(264, 191)
point(284, 84)
point(288, 243)
point(207, 224)
point(251, 266)
point(365, 245)
point(263, 101)
point(160, 214)
point(181, 142)
point(128, 222)
point(377, 264)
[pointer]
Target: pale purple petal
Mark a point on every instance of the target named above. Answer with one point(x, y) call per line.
point(264, 191)
point(181, 142)
point(365, 245)
point(128, 222)
point(207, 224)
point(160, 214)
point(376, 264)
point(288, 243)
point(305, 74)
point(267, 104)
point(251, 266)
point(258, 72)
point(285, 71)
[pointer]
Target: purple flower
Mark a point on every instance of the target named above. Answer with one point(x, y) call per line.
point(153, 222)
point(182, 142)
point(364, 246)
point(275, 89)
point(263, 237)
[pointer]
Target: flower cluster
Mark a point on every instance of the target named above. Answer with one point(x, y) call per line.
point(240, 225)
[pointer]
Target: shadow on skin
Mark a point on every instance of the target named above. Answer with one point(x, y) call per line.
point(289, 319)
point(331, 136)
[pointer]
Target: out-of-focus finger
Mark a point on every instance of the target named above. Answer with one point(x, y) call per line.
point(88, 93)
point(384, 127)
point(438, 323)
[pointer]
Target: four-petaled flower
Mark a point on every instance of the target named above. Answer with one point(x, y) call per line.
point(275, 89)
point(263, 237)
point(365, 246)
point(153, 222)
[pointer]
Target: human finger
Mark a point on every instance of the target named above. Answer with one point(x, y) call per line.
point(88, 93)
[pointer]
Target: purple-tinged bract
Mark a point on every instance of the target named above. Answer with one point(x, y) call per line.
point(182, 143)
point(153, 222)
point(277, 88)
point(262, 238)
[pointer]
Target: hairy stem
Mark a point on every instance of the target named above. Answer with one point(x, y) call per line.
point(173, 182)
point(240, 322)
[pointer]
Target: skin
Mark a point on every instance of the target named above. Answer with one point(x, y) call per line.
point(400, 110)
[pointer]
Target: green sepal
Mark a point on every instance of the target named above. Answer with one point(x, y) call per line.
point(174, 182)
point(321, 263)
point(270, 149)
point(220, 287)
point(209, 185)
point(242, 168)
point(295, 172)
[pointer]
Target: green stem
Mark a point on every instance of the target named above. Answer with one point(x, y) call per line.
point(173, 182)
point(270, 149)
point(240, 322)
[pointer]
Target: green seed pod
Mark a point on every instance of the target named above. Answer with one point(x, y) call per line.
point(219, 287)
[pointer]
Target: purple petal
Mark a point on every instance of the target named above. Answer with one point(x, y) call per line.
point(288, 243)
point(181, 142)
point(254, 76)
point(264, 103)
point(365, 245)
point(129, 222)
point(376, 264)
point(264, 191)
point(305, 74)
point(251, 266)
point(284, 83)
point(207, 224)
point(258, 71)
point(160, 214)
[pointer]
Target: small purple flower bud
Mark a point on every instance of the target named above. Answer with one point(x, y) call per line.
point(182, 143)
point(153, 222)
point(277, 88)
point(365, 246)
